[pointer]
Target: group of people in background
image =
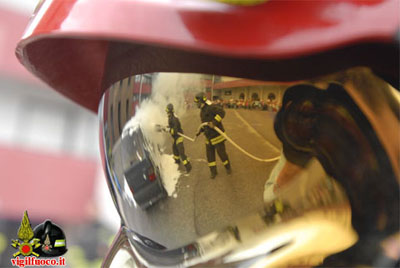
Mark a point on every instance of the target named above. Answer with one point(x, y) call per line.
point(268, 105)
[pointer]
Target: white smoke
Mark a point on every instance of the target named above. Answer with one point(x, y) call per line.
point(171, 88)
point(166, 88)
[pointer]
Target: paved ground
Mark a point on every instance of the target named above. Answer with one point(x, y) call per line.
point(202, 204)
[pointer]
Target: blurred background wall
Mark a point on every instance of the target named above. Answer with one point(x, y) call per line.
point(49, 159)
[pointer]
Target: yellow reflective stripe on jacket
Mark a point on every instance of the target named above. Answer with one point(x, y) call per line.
point(176, 157)
point(179, 140)
point(218, 118)
point(59, 243)
point(278, 206)
point(212, 164)
point(171, 131)
point(226, 162)
point(217, 139)
point(185, 162)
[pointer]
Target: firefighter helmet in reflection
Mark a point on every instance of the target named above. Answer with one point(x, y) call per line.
point(200, 97)
point(170, 108)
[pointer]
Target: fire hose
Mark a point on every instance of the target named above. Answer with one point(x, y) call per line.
point(238, 147)
point(160, 128)
point(186, 137)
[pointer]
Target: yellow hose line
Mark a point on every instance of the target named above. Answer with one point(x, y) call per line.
point(240, 148)
point(186, 137)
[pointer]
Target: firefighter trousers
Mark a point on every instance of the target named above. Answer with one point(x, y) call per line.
point(179, 151)
point(210, 151)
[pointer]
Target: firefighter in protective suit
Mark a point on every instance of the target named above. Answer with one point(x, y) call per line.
point(177, 146)
point(212, 115)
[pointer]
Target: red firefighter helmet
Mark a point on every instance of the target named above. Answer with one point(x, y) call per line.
point(83, 48)
point(275, 40)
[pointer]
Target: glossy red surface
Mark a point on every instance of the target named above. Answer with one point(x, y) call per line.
point(273, 29)
point(68, 44)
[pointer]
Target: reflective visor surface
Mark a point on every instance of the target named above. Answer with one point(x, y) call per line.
point(207, 168)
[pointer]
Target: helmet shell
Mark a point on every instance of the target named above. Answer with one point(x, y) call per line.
point(170, 108)
point(68, 43)
point(200, 97)
point(51, 238)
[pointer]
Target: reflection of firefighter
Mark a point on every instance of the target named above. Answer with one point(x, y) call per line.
point(275, 210)
point(177, 146)
point(212, 114)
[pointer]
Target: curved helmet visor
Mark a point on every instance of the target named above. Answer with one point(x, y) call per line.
point(258, 172)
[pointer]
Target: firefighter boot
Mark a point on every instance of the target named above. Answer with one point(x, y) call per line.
point(188, 167)
point(177, 159)
point(228, 169)
point(214, 173)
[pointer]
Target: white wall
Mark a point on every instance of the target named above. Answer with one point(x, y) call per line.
point(41, 119)
point(21, 6)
